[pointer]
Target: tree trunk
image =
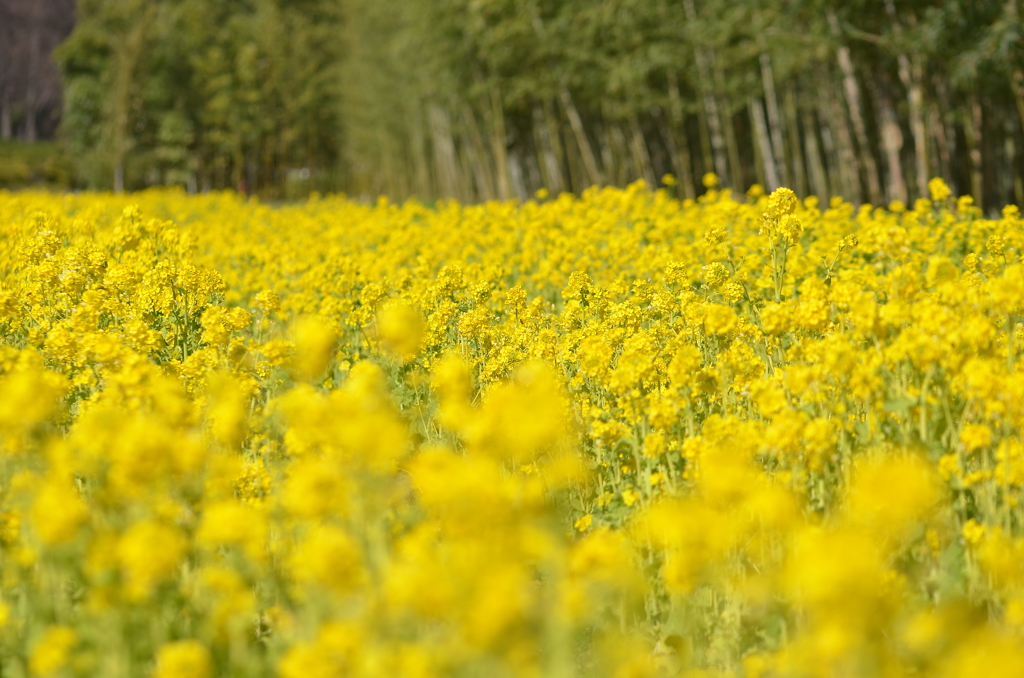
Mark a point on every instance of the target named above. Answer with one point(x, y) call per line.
point(423, 187)
point(1013, 190)
point(1017, 85)
point(467, 171)
point(550, 167)
point(499, 145)
point(769, 173)
point(641, 156)
point(915, 98)
point(819, 182)
point(478, 157)
point(711, 108)
point(892, 144)
point(5, 119)
point(795, 147)
point(910, 75)
point(586, 150)
point(774, 119)
point(444, 152)
point(759, 134)
point(845, 167)
point(939, 134)
point(853, 101)
point(973, 135)
point(515, 172)
point(733, 148)
point(945, 130)
point(34, 58)
point(613, 150)
point(677, 138)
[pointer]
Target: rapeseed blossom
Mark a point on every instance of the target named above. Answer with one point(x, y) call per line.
point(613, 434)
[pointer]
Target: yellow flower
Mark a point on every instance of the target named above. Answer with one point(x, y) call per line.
point(51, 652)
point(975, 437)
point(183, 659)
point(938, 189)
point(315, 341)
point(149, 553)
point(719, 319)
point(973, 532)
point(401, 328)
point(58, 512)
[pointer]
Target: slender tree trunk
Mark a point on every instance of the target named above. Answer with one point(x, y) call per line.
point(499, 145)
point(758, 147)
point(729, 129)
point(769, 173)
point(941, 143)
point(478, 159)
point(386, 176)
point(853, 101)
point(35, 56)
point(421, 165)
point(554, 131)
point(836, 181)
point(577, 175)
point(444, 152)
point(707, 156)
point(911, 75)
point(733, 148)
point(846, 166)
point(946, 133)
point(586, 150)
point(715, 129)
point(1014, 183)
point(516, 179)
point(819, 182)
point(550, 167)
point(774, 119)
point(613, 151)
point(973, 135)
point(711, 108)
point(468, 170)
point(1017, 86)
point(5, 118)
point(677, 136)
point(918, 128)
point(237, 167)
point(795, 147)
point(641, 156)
point(892, 143)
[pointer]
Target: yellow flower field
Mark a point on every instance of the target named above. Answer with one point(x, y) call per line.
point(612, 435)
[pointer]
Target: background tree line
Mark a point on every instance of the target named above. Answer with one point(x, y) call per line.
point(481, 99)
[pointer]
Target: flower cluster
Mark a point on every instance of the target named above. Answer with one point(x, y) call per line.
point(613, 434)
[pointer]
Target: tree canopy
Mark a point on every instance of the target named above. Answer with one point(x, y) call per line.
point(481, 99)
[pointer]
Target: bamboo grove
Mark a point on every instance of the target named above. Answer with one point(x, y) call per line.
point(477, 100)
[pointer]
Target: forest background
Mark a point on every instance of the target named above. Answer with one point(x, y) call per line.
point(494, 99)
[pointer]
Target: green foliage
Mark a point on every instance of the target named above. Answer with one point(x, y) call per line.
point(203, 94)
point(496, 99)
